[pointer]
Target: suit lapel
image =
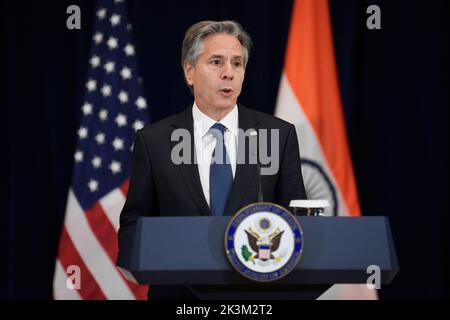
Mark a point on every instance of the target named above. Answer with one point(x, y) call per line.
point(189, 172)
point(246, 174)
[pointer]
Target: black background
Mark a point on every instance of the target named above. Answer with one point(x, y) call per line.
point(394, 84)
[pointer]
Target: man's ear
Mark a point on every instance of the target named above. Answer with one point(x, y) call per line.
point(188, 70)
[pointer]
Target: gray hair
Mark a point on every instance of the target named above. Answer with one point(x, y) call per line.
point(193, 40)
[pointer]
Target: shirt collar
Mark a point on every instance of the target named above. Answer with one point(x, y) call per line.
point(203, 123)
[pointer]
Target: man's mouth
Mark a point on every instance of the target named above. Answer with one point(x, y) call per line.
point(226, 92)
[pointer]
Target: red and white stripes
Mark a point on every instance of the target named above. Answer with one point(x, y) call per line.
point(89, 241)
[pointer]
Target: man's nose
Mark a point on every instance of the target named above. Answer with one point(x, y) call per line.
point(227, 71)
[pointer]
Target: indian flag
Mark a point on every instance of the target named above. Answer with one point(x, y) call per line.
point(309, 98)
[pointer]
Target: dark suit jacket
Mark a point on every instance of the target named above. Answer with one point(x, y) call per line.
point(158, 187)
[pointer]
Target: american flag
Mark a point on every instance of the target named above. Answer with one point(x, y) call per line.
point(114, 109)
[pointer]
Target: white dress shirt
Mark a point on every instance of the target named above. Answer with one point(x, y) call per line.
point(205, 142)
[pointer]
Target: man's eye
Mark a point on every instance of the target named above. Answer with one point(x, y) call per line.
point(237, 64)
point(216, 62)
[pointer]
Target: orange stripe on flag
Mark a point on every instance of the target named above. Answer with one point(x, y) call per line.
point(311, 71)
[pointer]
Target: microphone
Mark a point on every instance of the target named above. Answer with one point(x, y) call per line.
point(258, 166)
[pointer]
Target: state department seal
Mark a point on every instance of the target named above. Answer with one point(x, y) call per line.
point(264, 241)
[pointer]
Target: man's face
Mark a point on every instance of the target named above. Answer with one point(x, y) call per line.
point(217, 78)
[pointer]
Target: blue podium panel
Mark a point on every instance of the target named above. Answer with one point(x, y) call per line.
point(190, 251)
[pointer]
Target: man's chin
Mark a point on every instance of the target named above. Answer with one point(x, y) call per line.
point(226, 105)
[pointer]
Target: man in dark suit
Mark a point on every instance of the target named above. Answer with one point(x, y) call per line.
point(214, 180)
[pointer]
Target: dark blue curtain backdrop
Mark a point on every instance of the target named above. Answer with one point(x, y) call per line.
point(394, 84)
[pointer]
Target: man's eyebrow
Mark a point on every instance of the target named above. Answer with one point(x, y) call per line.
point(215, 56)
point(218, 56)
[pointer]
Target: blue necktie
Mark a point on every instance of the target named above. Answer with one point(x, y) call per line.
point(220, 174)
